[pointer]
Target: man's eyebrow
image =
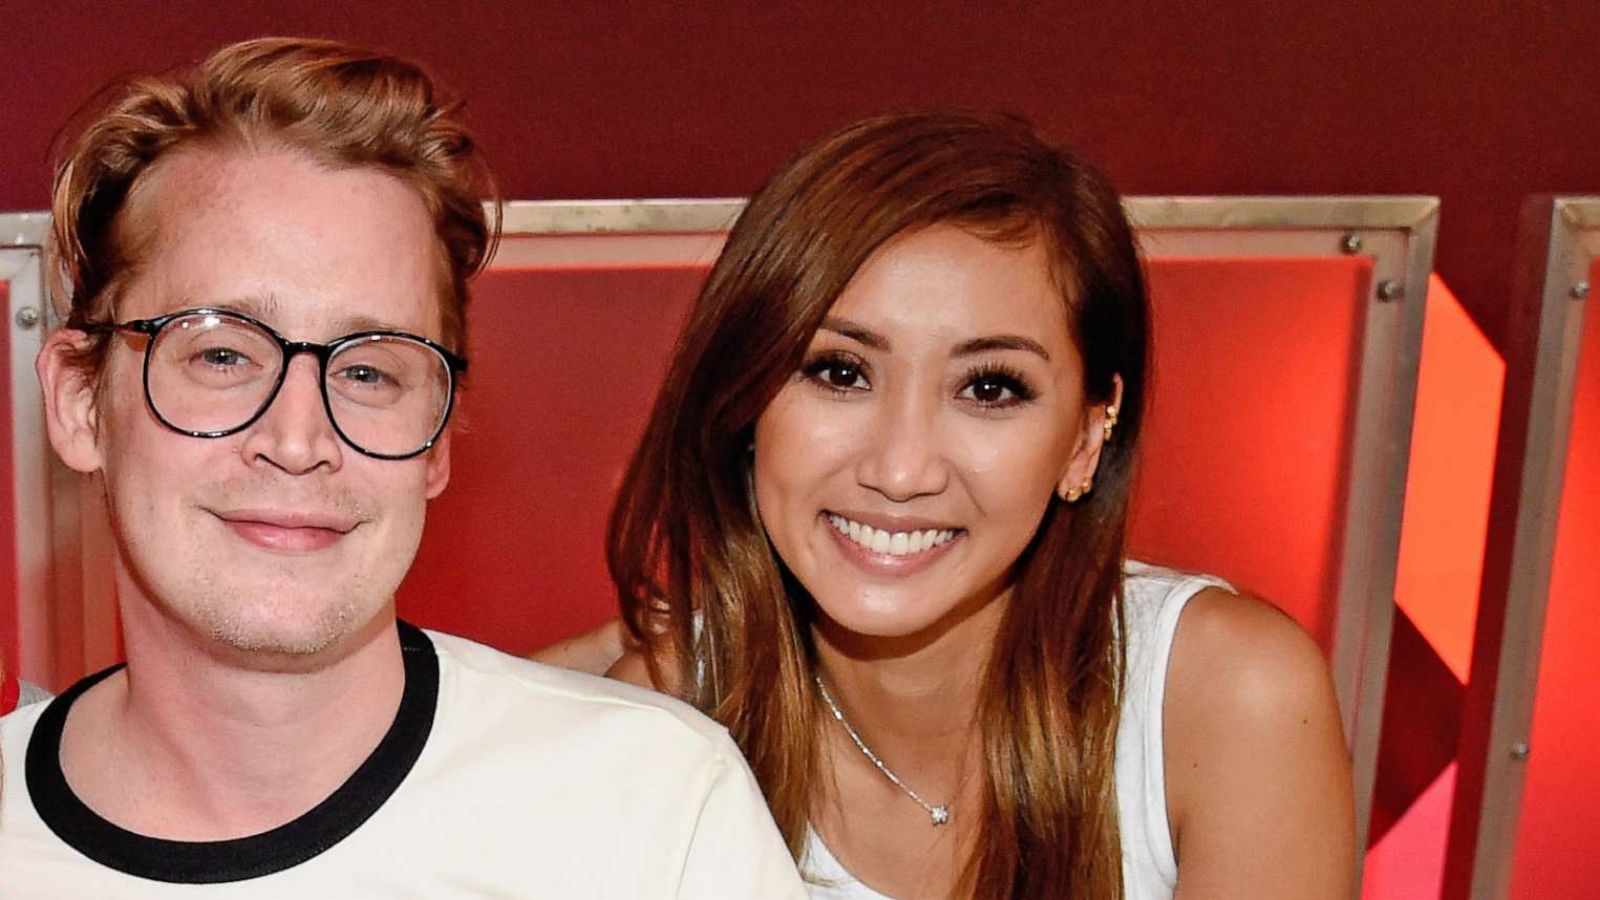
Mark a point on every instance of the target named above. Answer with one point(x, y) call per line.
point(353, 324)
point(861, 334)
point(1002, 342)
point(264, 308)
point(257, 306)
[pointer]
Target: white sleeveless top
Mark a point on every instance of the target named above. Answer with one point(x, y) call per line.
point(1155, 598)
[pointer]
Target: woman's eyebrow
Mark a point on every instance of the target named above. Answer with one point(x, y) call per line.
point(1002, 342)
point(855, 332)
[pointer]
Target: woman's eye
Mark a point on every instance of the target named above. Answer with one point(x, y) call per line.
point(837, 374)
point(843, 375)
point(996, 390)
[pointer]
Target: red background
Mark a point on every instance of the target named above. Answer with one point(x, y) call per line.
point(1478, 103)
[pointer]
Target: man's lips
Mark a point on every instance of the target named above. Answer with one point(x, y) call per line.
point(290, 531)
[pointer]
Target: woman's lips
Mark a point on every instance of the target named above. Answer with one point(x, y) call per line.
point(881, 551)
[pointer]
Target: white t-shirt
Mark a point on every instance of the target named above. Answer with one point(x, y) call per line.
point(1154, 600)
point(500, 778)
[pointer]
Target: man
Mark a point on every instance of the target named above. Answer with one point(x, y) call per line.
point(267, 263)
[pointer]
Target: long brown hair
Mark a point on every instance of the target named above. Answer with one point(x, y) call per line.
point(700, 584)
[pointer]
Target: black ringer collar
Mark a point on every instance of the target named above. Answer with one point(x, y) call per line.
point(238, 859)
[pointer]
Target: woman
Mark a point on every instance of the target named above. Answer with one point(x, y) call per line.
point(876, 527)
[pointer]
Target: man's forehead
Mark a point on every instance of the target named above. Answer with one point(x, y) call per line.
point(281, 238)
point(224, 181)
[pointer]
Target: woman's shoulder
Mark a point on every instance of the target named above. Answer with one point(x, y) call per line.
point(1244, 656)
point(633, 667)
point(1253, 735)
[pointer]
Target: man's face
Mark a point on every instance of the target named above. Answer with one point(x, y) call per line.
point(279, 539)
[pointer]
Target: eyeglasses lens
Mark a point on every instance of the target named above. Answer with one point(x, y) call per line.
point(388, 394)
point(212, 374)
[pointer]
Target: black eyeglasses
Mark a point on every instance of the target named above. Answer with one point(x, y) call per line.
point(209, 373)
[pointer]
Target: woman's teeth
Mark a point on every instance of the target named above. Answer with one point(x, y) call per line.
point(896, 543)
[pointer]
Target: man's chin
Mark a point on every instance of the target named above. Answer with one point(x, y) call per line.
point(277, 640)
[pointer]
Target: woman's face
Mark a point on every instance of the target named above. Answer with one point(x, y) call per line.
point(904, 468)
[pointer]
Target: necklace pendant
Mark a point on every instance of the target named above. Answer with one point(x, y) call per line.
point(940, 814)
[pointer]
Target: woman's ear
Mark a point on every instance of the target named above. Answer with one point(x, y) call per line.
point(1099, 428)
point(71, 403)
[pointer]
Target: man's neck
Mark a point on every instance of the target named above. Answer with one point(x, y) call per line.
point(188, 744)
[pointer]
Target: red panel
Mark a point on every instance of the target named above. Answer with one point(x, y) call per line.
point(1244, 467)
point(8, 502)
point(1459, 389)
point(1555, 858)
point(565, 363)
point(1408, 862)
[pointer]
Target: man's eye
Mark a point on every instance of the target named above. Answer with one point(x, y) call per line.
point(364, 375)
point(223, 357)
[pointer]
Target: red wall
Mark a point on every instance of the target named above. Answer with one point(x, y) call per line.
point(1469, 101)
point(565, 364)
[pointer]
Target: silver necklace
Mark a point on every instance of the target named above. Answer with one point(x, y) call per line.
point(940, 813)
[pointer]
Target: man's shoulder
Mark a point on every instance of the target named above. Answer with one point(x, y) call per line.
point(20, 721)
point(542, 697)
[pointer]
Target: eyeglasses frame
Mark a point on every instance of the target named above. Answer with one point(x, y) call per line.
point(151, 328)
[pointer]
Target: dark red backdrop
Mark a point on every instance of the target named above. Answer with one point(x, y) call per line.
point(659, 100)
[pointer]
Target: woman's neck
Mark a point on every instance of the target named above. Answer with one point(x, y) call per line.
point(914, 701)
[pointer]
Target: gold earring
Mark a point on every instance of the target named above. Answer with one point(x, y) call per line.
point(1074, 494)
point(1111, 420)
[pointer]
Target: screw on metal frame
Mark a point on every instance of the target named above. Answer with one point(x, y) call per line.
point(1580, 290)
point(1520, 751)
point(1351, 243)
point(1389, 289)
point(27, 317)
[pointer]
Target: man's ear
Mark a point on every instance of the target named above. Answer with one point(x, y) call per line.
point(438, 462)
point(71, 407)
point(1081, 467)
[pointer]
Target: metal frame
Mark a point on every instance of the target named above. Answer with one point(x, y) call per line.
point(1396, 232)
point(1560, 241)
point(22, 237)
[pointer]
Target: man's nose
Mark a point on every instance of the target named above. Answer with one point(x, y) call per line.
point(295, 433)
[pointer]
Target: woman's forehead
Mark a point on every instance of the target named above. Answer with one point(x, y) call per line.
point(944, 285)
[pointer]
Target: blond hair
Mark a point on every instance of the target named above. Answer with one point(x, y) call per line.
point(341, 106)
